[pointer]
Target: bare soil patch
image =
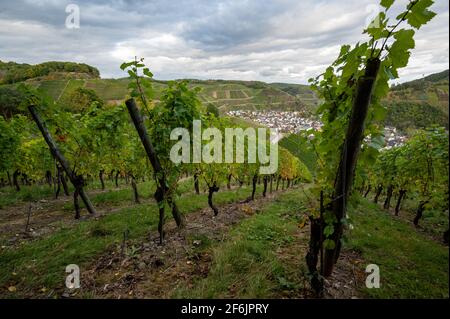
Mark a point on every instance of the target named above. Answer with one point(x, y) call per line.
point(150, 270)
point(146, 269)
point(47, 216)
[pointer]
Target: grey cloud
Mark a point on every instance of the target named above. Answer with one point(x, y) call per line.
point(273, 41)
point(231, 23)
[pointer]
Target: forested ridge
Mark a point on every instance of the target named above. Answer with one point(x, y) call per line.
point(11, 72)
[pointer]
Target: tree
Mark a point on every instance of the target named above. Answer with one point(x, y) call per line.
point(82, 99)
point(10, 100)
point(212, 109)
point(9, 145)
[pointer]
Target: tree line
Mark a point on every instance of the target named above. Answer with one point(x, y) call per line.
point(11, 72)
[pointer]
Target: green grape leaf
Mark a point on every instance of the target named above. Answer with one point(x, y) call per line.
point(329, 244)
point(388, 72)
point(147, 72)
point(419, 14)
point(386, 3)
point(329, 230)
point(125, 65)
point(377, 28)
point(399, 51)
point(132, 74)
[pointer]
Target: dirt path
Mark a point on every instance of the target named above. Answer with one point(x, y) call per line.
point(348, 277)
point(149, 270)
point(145, 269)
point(47, 216)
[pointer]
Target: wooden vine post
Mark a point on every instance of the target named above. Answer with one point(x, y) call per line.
point(161, 191)
point(75, 179)
point(351, 148)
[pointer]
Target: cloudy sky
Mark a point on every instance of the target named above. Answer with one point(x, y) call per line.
point(268, 40)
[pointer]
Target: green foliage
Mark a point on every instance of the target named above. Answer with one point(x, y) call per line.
point(420, 167)
point(179, 107)
point(419, 83)
point(9, 144)
point(418, 13)
point(35, 158)
point(22, 148)
point(92, 136)
point(291, 168)
point(411, 115)
point(10, 99)
point(81, 99)
point(140, 85)
point(212, 109)
point(11, 72)
point(427, 96)
point(338, 84)
point(216, 172)
point(300, 146)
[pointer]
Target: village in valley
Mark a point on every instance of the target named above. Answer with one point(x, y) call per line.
point(288, 122)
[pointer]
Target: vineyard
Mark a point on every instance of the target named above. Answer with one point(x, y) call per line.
point(88, 177)
point(225, 95)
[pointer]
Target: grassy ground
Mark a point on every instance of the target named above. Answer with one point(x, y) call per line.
point(411, 265)
point(250, 263)
point(433, 222)
point(9, 196)
point(40, 264)
point(246, 265)
point(28, 193)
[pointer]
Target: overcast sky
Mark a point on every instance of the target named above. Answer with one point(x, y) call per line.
point(267, 40)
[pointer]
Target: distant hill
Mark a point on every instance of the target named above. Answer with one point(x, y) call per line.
point(11, 72)
point(301, 91)
point(225, 95)
point(432, 89)
point(414, 104)
point(433, 78)
point(419, 103)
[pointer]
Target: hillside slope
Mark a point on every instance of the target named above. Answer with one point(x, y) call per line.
point(419, 103)
point(226, 95)
point(414, 104)
point(432, 90)
point(11, 72)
